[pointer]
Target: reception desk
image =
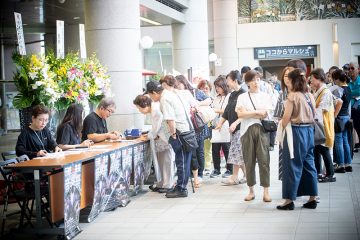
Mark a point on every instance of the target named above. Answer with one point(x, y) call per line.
point(97, 177)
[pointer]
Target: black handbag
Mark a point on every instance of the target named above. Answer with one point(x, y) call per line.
point(188, 139)
point(268, 125)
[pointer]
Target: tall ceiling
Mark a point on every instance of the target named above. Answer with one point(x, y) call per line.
point(39, 16)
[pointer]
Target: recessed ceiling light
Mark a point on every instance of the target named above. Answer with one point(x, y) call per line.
point(150, 21)
point(76, 18)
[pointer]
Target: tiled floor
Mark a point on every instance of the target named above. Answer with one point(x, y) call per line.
point(219, 212)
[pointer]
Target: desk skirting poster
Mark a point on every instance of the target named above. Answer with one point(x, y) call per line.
point(101, 175)
point(115, 193)
point(127, 157)
point(139, 168)
point(72, 189)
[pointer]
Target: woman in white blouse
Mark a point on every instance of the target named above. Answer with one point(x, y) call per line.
point(219, 104)
point(252, 107)
point(164, 153)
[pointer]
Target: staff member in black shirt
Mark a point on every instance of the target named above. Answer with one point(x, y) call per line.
point(69, 130)
point(235, 157)
point(35, 140)
point(95, 128)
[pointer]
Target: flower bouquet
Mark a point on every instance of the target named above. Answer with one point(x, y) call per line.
point(36, 82)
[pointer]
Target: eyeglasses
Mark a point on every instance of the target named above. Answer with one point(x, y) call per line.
point(43, 120)
point(109, 110)
point(351, 68)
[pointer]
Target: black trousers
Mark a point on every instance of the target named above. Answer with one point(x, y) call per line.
point(323, 151)
point(216, 147)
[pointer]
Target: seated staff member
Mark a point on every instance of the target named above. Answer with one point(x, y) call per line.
point(95, 128)
point(69, 131)
point(35, 140)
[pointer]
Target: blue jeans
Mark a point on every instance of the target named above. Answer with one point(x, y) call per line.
point(198, 156)
point(342, 146)
point(182, 162)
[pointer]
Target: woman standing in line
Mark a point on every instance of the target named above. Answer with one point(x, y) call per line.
point(251, 108)
point(68, 134)
point(299, 173)
point(342, 145)
point(235, 158)
point(219, 104)
point(164, 153)
point(324, 113)
point(198, 158)
point(206, 87)
point(279, 109)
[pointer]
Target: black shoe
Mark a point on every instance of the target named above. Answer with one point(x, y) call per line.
point(176, 192)
point(331, 179)
point(348, 168)
point(289, 206)
point(340, 170)
point(357, 145)
point(215, 173)
point(154, 189)
point(311, 205)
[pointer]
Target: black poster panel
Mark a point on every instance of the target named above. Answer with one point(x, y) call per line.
point(72, 190)
point(101, 173)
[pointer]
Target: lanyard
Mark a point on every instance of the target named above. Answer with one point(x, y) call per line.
point(42, 143)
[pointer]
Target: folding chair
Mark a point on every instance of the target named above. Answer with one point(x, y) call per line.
point(8, 155)
point(14, 195)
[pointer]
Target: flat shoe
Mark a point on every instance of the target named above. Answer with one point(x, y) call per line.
point(310, 205)
point(249, 199)
point(289, 206)
point(154, 189)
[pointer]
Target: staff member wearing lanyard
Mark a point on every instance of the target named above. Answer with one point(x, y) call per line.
point(35, 140)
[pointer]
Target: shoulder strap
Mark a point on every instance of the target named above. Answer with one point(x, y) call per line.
point(187, 117)
point(251, 101)
point(310, 104)
point(320, 95)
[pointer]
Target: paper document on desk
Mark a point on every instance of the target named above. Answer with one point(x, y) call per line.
point(121, 140)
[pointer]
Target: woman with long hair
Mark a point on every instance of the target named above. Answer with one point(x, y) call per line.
point(68, 134)
point(198, 158)
point(299, 173)
point(219, 104)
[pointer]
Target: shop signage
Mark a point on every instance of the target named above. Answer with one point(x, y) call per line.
point(82, 41)
point(20, 33)
point(303, 51)
point(60, 39)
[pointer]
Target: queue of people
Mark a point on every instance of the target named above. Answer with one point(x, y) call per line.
point(241, 102)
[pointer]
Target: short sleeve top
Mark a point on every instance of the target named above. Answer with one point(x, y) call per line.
point(302, 112)
point(93, 124)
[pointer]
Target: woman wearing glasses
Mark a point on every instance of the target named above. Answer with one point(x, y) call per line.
point(95, 128)
point(35, 140)
point(69, 130)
